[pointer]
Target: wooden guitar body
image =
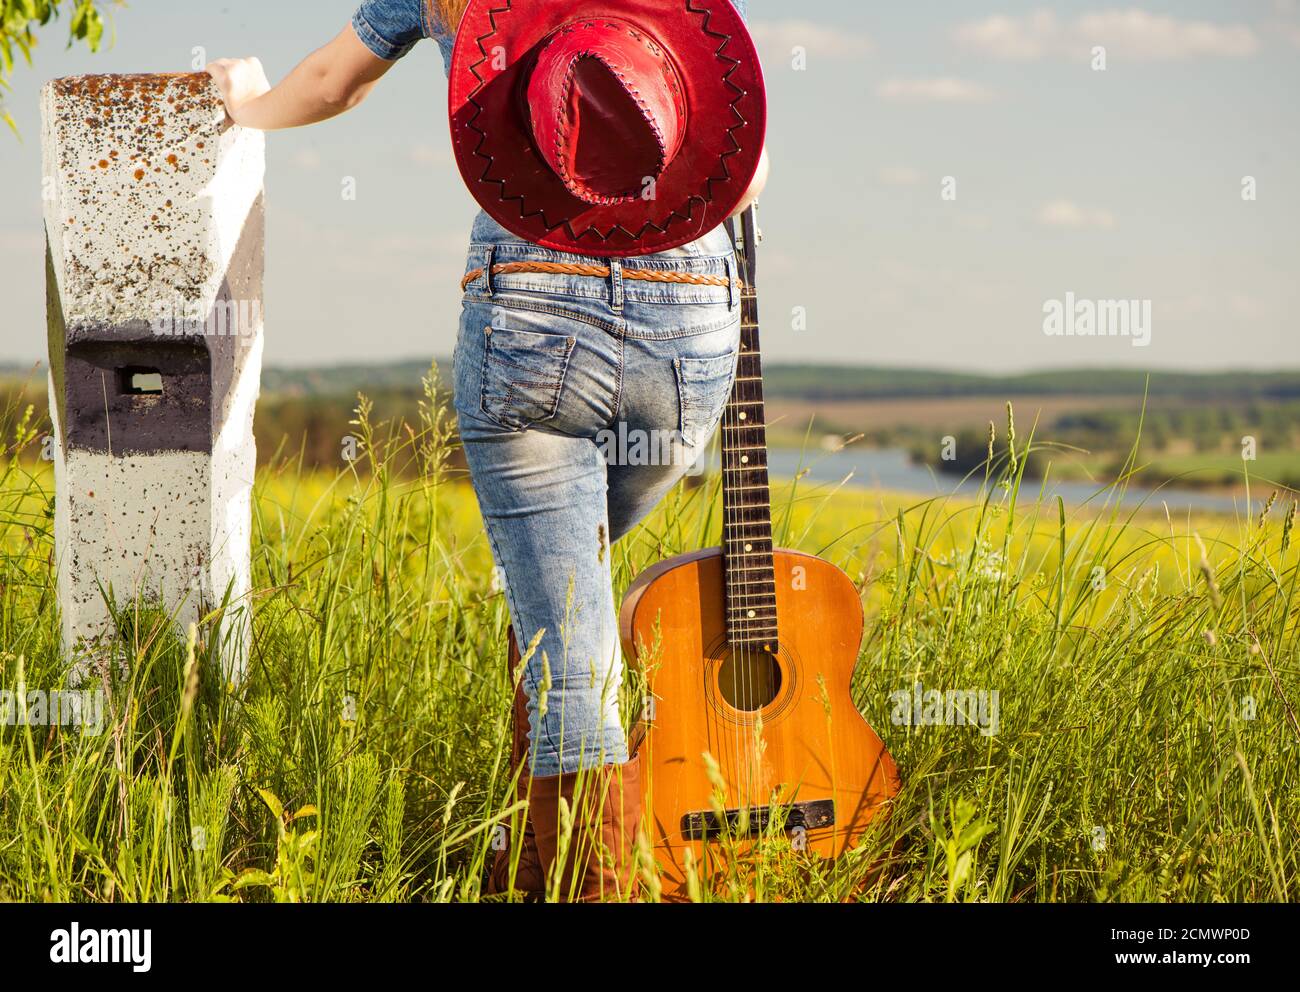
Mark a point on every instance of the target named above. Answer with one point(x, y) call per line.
point(780, 723)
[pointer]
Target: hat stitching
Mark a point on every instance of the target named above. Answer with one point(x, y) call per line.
point(694, 198)
point(575, 185)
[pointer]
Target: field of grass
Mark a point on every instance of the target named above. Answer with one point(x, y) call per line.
point(1147, 744)
point(1226, 469)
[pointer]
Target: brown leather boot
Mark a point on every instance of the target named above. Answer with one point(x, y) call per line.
point(600, 864)
point(530, 879)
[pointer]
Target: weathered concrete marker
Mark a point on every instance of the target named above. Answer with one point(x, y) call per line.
point(154, 227)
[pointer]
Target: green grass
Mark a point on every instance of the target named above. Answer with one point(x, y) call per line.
point(1227, 469)
point(1146, 749)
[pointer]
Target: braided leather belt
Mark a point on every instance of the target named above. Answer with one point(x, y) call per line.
point(600, 272)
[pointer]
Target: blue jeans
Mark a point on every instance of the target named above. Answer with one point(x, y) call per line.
point(581, 402)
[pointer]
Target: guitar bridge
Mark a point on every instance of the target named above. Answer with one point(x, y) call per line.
point(807, 816)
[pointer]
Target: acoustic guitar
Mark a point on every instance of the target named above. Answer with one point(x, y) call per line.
point(747, 652)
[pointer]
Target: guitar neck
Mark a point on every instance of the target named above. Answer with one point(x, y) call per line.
point(746, 490)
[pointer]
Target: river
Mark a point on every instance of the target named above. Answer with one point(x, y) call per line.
point(892, 470)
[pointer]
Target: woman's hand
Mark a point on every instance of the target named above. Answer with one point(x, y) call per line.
point(240, 82)
point(328, 82)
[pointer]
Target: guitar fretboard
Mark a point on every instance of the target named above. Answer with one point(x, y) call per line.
point(746, 496)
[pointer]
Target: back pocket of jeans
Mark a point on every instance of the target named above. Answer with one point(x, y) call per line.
point(703, 386)
point(523, 375)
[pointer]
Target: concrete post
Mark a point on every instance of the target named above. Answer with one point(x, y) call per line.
point(154, 228)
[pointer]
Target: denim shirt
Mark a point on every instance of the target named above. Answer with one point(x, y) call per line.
point(390, 28)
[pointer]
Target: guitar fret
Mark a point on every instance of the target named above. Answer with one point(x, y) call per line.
point(748, 542)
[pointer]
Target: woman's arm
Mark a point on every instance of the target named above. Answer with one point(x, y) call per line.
point(328, 82)
point(757, 186)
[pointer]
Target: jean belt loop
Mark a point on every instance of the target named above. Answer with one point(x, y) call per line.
point(731, 281)
point(489, 258)
point(616, 285)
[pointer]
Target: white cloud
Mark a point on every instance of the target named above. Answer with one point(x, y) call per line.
point(943, 89)
point(306, 158)
point(779, 38)
point(1065, 213)
point(899, 175)
point(424, 154)
point(1004, 37)
point(974, 222)
point(1247, 307)
point(1133, 34)
point(22, 244)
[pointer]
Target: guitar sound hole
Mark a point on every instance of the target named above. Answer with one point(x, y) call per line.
point(749, 679)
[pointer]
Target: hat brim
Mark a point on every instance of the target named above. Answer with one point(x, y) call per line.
point(726, 125)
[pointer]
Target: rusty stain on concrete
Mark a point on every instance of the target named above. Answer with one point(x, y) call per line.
point(135, 138)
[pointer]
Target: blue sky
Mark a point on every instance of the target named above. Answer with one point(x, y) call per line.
point(1122, 183)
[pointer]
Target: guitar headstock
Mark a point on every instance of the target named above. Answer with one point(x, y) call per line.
point(746, 244)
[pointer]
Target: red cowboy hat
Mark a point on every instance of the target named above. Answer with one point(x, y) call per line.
point(607, 128)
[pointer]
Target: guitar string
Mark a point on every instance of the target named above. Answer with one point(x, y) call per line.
point(753, 390)
point(732, 517)
point(733, 512)
point(746, 698)
point(747, 756)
